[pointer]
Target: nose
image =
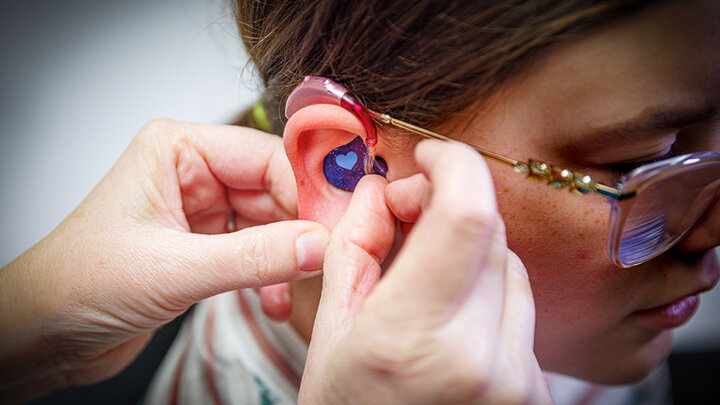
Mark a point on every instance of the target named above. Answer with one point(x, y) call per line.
point(705, 234)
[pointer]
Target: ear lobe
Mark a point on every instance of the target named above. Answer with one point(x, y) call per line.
point(310, 134)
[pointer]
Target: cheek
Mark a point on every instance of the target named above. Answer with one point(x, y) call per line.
point(554, 228)
point(582, 300)
point(561, 239)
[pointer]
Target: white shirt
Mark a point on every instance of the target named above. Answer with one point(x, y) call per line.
point(228, 352)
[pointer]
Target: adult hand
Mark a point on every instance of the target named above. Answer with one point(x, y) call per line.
point(451, 321)
point(149, 241)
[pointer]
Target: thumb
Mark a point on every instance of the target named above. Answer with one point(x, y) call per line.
point(206, 265)
point(359, 244)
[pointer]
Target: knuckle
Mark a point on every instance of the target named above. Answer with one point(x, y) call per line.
point(409, 356)
point(457, 153)
point(256, 259)
point(404, 357)
point(155, 133)
point(157, 126)
point(469, 380)
point(471, 219)
point(389, 352)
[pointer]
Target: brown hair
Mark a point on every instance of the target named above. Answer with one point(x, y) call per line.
point(422, 61)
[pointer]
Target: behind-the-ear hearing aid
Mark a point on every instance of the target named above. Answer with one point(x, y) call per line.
point(346, 165)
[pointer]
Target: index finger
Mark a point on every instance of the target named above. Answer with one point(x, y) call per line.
point(453, 247)
point(247, 159)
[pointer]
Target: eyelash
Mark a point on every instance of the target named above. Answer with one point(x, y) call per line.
point(620, 169)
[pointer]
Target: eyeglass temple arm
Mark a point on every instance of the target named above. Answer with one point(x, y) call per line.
point(557, 177)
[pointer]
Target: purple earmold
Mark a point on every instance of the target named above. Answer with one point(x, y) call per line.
point(343, 166)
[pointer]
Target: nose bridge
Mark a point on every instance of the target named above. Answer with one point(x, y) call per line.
point(705, 234)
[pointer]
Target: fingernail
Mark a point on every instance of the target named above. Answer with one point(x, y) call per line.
point(310, 250)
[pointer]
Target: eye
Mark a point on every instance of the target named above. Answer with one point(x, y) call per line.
point(623, 168)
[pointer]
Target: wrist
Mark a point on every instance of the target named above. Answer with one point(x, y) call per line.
point(29, 336)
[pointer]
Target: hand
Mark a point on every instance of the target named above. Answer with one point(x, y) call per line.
point(80, 305)
point(451, 321)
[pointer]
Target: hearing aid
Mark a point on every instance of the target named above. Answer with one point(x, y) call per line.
point(341, 166)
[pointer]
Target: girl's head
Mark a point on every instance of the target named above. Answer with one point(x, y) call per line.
point(593, 86)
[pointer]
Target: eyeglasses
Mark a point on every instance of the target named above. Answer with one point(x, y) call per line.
point(652, 207)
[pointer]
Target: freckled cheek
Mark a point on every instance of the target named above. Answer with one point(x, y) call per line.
point(561, 239)
point(554, 228)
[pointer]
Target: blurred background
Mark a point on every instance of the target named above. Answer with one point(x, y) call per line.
point(79, 78)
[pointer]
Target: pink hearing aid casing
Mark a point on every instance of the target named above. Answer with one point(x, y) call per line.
point(319, 90)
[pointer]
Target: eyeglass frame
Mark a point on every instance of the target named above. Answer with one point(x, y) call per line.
point(315, 90)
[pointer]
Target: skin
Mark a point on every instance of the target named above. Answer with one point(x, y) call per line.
point(565, 109)
point(82, 303)
point(464, 321)
point(461, 333)
point(663, 59)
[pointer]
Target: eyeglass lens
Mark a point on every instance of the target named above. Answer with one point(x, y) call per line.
point(664, 211)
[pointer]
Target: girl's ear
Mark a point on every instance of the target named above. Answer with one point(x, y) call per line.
point(310, 135)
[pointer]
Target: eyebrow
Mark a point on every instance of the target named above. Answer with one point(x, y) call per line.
point(647, 124)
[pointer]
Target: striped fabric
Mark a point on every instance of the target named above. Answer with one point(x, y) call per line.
point(228, 352)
